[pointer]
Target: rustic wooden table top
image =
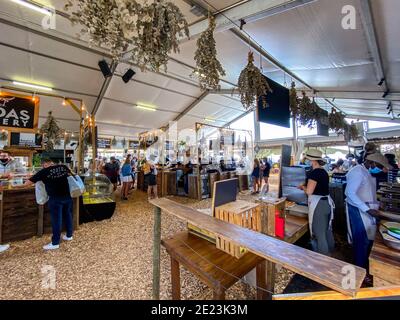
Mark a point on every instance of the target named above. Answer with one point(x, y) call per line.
point(322, 269)
point(213, 266)
point(295, 228)
point(238, 206)
point(383, 254)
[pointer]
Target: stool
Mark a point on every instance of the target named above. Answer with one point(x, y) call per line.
point(216, 269)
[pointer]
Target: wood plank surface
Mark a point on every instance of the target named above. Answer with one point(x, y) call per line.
point(317, 267)
point(369, 293)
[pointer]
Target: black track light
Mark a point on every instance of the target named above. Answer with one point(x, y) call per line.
point(128, 75)
point(385, 94)
point(381, 82)
point(105, 69)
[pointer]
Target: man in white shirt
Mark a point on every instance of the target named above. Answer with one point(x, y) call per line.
point(362, 207)
point(8, 165)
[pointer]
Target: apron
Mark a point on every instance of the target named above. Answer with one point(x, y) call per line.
point(313, 201)
point(369, 223)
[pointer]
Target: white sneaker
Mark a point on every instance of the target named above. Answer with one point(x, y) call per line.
point(64, 237)
point(50, 246)
point(4, 247)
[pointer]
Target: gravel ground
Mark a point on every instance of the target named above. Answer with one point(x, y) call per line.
point(107, 260)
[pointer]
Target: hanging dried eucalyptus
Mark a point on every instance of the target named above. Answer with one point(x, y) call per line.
point(337, 121)
point(159, 26)
point(307, 111)
point(351, 131)
point(209, 69)
point(294, 101)
point(51, 132)
point(252, 85)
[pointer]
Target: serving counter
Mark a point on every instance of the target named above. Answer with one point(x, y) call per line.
point(22, 218)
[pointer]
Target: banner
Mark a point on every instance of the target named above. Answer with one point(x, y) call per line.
point(323, 124)
point(18, 113)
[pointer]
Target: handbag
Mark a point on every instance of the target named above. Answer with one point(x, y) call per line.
point(41, 193)
point(76, 186)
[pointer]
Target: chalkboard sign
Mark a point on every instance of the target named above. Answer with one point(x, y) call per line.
point(224, 192)
point(104, 143)
point(27, 140)
point(18, 113)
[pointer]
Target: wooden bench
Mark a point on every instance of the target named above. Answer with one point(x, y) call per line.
point(218, 270)
point(322, 269)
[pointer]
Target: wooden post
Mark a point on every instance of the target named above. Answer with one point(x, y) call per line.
point(261, 279)
point(76, 213)
point(1, 217)
point(175, 279)
point(156, 253)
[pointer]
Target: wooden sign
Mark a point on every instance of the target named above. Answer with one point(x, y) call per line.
point(104, 143)
point(18, 113)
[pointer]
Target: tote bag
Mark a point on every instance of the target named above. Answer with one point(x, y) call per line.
point(41, 193)
point(76, 186)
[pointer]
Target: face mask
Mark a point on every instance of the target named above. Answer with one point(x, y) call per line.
point(375, 170)
point(307, 163)
point(3, 161)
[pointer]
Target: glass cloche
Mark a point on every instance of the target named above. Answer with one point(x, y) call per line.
point(98, 186)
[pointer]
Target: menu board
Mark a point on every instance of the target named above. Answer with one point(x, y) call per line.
point(104, 143)
point(27, 140)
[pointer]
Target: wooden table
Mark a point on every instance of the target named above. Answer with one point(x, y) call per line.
point(322, 269)
point(218, 270)
point(295, 228)
point(384, 264)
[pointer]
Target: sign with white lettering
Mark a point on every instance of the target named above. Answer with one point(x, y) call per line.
point(18, 113)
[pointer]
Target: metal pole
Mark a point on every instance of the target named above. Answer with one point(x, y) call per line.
point(156, 253)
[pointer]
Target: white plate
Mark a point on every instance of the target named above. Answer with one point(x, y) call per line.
point(394, 235)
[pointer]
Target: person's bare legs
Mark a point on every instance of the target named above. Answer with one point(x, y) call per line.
point(155, 192)
point(266, 180)
point(149, 192)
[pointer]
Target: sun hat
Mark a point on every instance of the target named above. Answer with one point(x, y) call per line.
point(315, 155)
point(379, 158)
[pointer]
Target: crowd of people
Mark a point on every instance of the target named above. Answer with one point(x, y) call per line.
point(260, 175)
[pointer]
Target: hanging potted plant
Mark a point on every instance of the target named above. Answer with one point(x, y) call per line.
point(252, 85)
point(209, 70)
point(294, 101)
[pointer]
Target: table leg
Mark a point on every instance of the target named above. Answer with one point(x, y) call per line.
point(175, 280)
point(156, 253)
point(261, 281)
point(219, 295)
point(270, 279)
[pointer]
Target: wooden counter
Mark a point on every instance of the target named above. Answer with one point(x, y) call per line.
point(384, 264)
point(22, 218)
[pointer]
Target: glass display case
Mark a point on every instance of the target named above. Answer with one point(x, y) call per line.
point(97, 201)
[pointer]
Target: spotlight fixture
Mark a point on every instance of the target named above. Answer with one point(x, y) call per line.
point(128, 75)
point(333, 100)
point(105, 69)
point(385, 94)
point(242, 23)
point(64, 103)
point(381, 82)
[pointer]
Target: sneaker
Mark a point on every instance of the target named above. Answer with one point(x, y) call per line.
point(65, 238)
point(4, 247)
point(50, 246)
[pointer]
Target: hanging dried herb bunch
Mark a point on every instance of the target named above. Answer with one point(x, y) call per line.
point(107, 23)
point(159, 26)
point(307, 111)
point(252, 85)
point(209, 69)
point(3, 135)
point(114, 142)
point(294, 101)
point(123, 141)
point(351, 131)
point(337, 121)
point(51, 132)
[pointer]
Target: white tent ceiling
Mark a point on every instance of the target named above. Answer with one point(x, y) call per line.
point(308, 40)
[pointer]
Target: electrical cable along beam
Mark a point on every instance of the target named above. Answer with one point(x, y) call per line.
point(327, 271)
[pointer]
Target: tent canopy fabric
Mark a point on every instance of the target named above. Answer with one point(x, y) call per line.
point(308, 39)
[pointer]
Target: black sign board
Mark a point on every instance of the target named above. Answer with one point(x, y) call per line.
point(104, 143)
point(134, 144)
point(277, 111)
point(27, 140)
point(18, 113)
point(323, 124)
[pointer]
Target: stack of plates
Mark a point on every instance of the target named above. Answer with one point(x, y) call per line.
point(391, 239)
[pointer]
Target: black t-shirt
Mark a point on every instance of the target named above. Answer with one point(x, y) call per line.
point(55, 178)
point(321, 177)
point(111, 169)
point(267, 170)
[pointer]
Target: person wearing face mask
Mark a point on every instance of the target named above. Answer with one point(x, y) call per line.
point(8, 166)
point(380, 173)
point(362, 206)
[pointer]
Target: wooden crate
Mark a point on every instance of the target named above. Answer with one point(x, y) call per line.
point(241, 213)
point(268, 210)
point(244, 184)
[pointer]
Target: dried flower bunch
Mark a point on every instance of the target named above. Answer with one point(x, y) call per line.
point(252, 85)
point(52, 132)
point(209, 69)
point(337, 121)
point(308, 111)
point(106, 22)
point(352, 131)
point(159, 26)
point(294, 101)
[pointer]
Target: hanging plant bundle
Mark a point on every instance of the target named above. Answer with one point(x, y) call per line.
point(106, 23)
point(123, 141)
point(294, 101)
point(307, 111)
point(209, 69)
point(114, 142)
point(252, 85)
point(3, 135)
point(352, 131)
point(159, 26)
point(52, 132)
point(337, 121)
